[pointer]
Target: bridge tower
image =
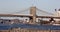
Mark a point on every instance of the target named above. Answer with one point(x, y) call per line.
point(33, 12)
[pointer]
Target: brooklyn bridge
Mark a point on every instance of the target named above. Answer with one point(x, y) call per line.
point(36, 21)
point(34, 13)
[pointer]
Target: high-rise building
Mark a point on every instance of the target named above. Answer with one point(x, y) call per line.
point(57, 14)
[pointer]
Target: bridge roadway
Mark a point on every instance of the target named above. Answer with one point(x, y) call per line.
point(22, 15)
point(15, 15)
point(29, 26)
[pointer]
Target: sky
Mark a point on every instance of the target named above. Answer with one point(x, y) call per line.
point(12, 6)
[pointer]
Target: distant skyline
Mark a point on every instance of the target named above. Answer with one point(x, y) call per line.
point(10, 6)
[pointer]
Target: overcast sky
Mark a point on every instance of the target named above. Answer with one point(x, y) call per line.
point(10, 6)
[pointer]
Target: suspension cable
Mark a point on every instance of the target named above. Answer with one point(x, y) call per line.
point(21, 11)
point(44, 11)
